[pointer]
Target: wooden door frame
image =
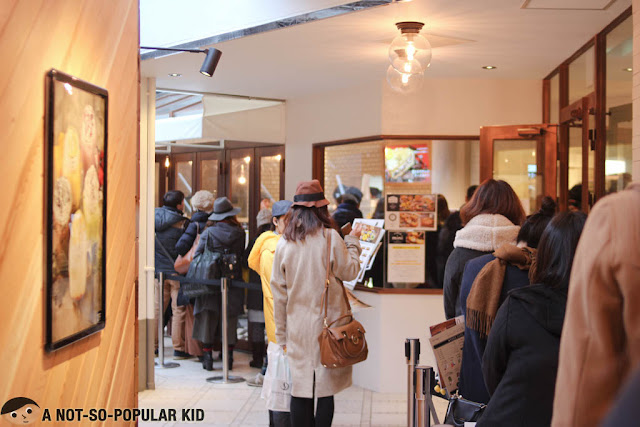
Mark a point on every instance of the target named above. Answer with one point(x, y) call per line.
point(240, 153)
point(546, 144)
point(212, 155)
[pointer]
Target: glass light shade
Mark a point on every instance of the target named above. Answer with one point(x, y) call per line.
point(410, 53)
point(404, 83)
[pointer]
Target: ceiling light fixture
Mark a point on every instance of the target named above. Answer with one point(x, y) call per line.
point(410, 52)
point(489, 67)
point(409, 55)
point(210, 62)
point(175, 74)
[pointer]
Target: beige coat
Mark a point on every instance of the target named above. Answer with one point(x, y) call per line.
point(600, 343)
point(297, 283)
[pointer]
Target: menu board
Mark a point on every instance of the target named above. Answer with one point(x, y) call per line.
point(411, 212)
point(407, 163)
point(370, 239)
point(447, 341)
point(405, 260)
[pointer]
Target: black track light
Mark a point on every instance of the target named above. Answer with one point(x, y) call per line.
point(210, 62)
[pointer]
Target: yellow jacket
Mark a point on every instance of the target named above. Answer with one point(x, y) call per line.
point(261, 260)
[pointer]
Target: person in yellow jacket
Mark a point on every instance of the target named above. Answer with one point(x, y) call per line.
point(261, 261)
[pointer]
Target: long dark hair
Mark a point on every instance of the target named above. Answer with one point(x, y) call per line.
point(302, 221)
point(557, 247)
point(494, 197)
point(534, 226)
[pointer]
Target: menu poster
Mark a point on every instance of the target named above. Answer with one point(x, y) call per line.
point(447, 348)
point(370, 238)
point(405, 260)
point(411, 211)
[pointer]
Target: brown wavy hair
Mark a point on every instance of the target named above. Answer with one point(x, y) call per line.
point(302, 221)
point(494, 197)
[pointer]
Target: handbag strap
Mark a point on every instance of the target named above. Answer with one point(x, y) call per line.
point(325, 294)
point(164, 250)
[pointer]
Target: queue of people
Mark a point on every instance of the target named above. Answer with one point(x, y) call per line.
point(551, 329)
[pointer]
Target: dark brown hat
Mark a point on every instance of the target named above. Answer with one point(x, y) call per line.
point(310, 194)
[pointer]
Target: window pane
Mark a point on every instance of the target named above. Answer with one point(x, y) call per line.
point(575, 157)
point(184, 182)
point(514, 161)
point(240, 179)
point(270, 178)
point(209, 171)
point(355, 165)
point(618, 106)
point(581, 76)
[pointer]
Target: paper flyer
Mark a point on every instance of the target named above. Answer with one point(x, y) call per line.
point(405, 257)
point(370, 239)
point(447, 343)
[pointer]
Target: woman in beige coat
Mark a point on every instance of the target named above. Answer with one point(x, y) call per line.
point(297, 283)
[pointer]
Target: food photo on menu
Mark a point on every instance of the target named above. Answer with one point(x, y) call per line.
point(408, 163)
point(411, 211)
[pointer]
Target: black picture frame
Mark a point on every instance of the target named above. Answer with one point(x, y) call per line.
point(75, 200)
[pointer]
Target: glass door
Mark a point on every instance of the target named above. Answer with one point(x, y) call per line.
point(270, 165)
point(182, 177)
point(210, 173)
point(524, 156)
point(240, 185)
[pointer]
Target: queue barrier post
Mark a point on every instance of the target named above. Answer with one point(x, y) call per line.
point(162, 363)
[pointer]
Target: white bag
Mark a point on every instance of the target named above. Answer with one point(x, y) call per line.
point(276, 388)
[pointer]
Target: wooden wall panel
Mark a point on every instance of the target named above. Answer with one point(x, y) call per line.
point(96, 41)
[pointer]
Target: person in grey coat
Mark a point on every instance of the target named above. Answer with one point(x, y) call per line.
point(297, 282)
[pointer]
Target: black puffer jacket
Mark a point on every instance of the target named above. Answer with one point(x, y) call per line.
point(345, 213)
point(520, 362)
point(169, 225)
point(198, 222)
point(219, 237)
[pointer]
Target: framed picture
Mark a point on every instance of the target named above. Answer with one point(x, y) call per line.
point(76, 208)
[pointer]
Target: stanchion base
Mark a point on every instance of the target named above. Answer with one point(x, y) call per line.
point(168, 365)
point(230, 380)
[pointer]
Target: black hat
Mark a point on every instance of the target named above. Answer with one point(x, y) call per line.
point(280, 208)
point(222, 208)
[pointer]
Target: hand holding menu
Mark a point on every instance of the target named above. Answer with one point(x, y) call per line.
point(370, 238)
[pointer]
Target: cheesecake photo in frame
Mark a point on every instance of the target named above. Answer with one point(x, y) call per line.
point(75, 193)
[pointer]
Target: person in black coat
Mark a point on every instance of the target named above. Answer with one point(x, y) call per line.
point(224, 233)
point(348, 210)
point(520, 361)
point(169, 225)
point(472, 384)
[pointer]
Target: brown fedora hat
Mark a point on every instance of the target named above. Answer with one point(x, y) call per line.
point(310, 194)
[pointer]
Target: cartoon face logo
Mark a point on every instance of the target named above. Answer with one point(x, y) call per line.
point(21, 411)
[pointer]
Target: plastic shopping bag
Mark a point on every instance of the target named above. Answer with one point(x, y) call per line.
point(276, 388)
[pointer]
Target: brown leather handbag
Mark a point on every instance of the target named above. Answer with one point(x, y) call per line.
point(342, 345)
point(181, 265)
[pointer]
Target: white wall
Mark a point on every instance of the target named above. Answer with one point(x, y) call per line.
point(442, 107)
point(460, 107)
point(343, 114)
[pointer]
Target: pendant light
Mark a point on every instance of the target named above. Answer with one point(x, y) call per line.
point(410, 53)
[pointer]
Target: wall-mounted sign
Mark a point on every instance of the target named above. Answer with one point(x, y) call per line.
point(76, 211)
point(405, 260)
point(411, 212)
point(408, 163)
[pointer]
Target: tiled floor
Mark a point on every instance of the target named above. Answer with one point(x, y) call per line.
point(240, 404)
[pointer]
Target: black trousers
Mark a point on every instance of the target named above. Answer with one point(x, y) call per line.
point(302, 414)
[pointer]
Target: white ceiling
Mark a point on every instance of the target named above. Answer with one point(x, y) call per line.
point(351, 49)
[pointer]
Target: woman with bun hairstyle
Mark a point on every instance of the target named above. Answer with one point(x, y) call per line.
point(520, 362)
point(491, 218)
point(485, 284)
point(298, 282)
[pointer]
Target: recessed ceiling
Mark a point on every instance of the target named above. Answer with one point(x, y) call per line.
point(568, 4)
point(351, 50)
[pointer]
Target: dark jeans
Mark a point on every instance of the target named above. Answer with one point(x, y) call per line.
point(302, 412)
point(279, 419)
